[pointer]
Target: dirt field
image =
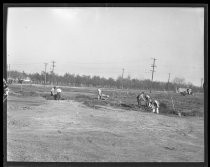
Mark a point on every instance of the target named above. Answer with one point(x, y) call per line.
point(75, 130)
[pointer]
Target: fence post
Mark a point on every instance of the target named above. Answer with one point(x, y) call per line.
point(179, 113)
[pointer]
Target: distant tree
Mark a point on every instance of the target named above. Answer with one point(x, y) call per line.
point(179, 81)
point(96, 81)
point(15, 74)
point(111, 82)
point(24, 75)
point(78, 80)
point(119, 82)
point(189, 84)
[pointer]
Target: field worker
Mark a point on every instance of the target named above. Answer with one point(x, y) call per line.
point(51, 92)
point(59, 93)
point(54, 92)
point(154, 104)
point(148, 100)
point(189, 91)
point(99, 94)
point(140, 97)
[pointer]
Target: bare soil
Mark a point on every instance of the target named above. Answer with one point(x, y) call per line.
point(41, 130)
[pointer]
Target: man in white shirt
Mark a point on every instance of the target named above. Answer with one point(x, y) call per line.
point(148, 100)
point(54, 92)
point(154, 104)
point(140, 97)
point(59, 93)
point(99, 94)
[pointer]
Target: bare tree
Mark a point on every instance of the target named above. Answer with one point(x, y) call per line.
point(179, 81)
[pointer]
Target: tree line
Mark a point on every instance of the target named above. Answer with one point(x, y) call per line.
point(96, 81)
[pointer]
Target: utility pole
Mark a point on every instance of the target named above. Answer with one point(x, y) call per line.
point(168, 80)
point(45, 64)
point(153, 67)
point(53, 66)
point(122, 76)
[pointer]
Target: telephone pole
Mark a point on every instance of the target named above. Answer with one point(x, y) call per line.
point(53, 66)
point(153, 70)
point(122, 76)
point(168, 80)
point(45, 64)
point(153, 67)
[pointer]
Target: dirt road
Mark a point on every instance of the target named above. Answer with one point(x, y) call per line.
point(66, 131)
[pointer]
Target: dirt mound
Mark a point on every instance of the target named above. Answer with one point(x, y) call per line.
point(166, 110)
point(93, 102)
point(49, 97)
point(191, 113)
point(185, 112)
point(84, 97)
point(129, 106)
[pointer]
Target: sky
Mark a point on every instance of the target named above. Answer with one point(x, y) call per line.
point(103, 41)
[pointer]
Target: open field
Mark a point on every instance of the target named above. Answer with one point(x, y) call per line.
point(81, 128)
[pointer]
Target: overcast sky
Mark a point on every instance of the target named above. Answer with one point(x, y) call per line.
point(103, 40)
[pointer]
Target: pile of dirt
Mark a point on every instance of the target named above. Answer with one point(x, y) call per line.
point(129, 106)
point(164, 109)
point(191, 113)
point(49, 97)
point(83, 97)
point(93, 102)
